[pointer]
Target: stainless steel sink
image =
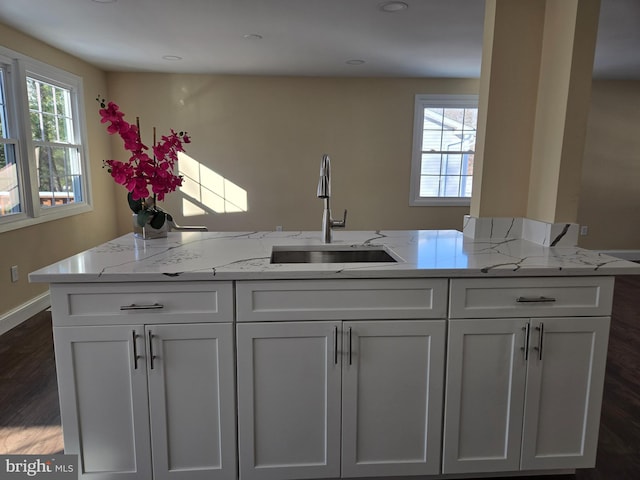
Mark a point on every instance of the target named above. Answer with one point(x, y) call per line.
point(330, 254)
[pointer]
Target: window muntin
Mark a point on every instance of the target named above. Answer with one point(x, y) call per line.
point(444, 147)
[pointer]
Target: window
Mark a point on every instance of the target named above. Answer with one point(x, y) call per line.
point(43, 161)
point(444, 138)
point(52, 133)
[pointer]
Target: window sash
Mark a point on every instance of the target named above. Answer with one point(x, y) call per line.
point(12, 204)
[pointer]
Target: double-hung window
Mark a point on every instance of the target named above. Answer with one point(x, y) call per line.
point(43, 161)
point(444, 138)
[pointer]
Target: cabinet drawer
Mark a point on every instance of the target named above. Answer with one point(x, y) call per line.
point(531, 297)
point(341, 299)
point(123, 303)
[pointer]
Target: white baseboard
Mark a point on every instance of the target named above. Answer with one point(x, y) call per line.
point(23, 312)
point(632, 255)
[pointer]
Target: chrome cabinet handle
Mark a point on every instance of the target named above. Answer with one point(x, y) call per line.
point(525, 346)
point(133, 306)
point(350, 347)
point(335, 345)
point(151, 355)
point(540, 299)
point(540, 340)
point(136, 357)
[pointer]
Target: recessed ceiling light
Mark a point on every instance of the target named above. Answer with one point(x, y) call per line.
point(171, 58)
point(393, 7)
point(105, 1)
point(252, 36)
point(355, 61)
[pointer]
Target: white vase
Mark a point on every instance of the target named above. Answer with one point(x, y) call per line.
point(147, 232)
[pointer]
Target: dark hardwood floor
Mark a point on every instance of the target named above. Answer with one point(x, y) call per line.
point(29, 409)
point(30, 417)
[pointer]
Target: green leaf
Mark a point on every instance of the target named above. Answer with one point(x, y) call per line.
point(143, 217)
point(157, 221)
point(134, 205)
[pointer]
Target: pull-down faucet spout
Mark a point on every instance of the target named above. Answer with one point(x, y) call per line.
point(324, 192)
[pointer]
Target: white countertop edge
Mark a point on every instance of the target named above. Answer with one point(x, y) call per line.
point(196, 256)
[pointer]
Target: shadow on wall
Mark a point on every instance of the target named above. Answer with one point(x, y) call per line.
point(205, 191)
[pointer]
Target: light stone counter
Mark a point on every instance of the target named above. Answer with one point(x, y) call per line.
point(246, 255)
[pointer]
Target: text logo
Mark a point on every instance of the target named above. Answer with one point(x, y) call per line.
point(51, 467)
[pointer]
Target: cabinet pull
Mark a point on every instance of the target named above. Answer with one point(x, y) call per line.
point(335, 345)
point(525, 347)
point(350, 347)
point(540, 340)
point(540, 299)
point(151, 355)
point(133, 306)
point(136, 357)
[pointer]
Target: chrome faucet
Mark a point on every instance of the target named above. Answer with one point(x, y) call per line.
point(324, 191)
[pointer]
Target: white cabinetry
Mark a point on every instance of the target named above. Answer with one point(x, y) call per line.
point(288, 400)
point(294, 410)
point(392, 389)
point(525, 393)
point(142, 399)
point(103, 400)
point(335, 378)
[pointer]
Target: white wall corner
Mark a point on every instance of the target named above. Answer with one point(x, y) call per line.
point(23, 312)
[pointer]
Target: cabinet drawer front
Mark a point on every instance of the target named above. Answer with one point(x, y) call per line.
point(531, 297)
point(123, 303)
point(341, 299)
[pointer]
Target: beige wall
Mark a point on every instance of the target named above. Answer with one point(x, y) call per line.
point(570, 31)
point(534, 98)
point(40, 245)
point(267, 136)
point(610, 195)
point(507, 107)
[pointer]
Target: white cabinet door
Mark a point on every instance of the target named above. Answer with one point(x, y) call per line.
point(288, 400)
point(564, 392)
point(392, 397)
point(486, 373)
point(491, 387)
point(192, 401)
point(103, 400)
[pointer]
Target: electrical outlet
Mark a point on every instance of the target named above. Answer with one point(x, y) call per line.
point(14, 274)
point(584, 230)
point(278, 228)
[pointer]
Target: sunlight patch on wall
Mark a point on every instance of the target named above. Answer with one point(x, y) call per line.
point(205, 191)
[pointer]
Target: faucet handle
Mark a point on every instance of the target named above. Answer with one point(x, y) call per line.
point(340, 223)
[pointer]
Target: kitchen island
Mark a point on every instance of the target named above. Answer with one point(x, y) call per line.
point(196, 357)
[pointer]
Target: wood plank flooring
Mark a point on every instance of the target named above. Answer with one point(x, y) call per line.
point(30, 416)
point(29, 409)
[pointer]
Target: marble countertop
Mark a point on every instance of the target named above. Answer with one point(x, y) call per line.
point(246, 255)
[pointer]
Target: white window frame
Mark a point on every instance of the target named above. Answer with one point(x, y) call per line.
point(422, 102)
point(18, 68)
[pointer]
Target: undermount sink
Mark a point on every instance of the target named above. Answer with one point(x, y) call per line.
point(330, 254)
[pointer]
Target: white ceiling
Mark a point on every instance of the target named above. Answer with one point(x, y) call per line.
point(434, 38)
